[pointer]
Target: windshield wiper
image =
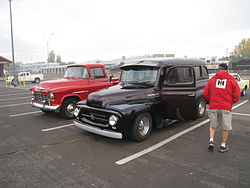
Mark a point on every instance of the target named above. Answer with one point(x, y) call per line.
point(123, 83)
point(126, 84)
point(144, 83)
point(137, 84)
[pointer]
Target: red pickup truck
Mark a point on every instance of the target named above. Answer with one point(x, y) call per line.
point(63, 94)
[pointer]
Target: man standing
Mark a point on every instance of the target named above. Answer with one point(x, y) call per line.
point(221, 91)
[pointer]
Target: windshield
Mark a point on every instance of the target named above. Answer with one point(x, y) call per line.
point(139, 75)
point(76, 72)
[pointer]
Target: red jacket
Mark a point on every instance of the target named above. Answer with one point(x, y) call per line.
point(222, 91)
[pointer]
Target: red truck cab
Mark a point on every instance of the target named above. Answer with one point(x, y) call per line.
point(62, 95)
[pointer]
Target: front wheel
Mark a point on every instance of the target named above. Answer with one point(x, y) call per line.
point(201, 107)
point(142, 127)
point(68, 108)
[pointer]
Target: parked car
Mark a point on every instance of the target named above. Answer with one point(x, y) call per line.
point(149, 92)
point(63, 94)
point(27, 77)
point(243, 84)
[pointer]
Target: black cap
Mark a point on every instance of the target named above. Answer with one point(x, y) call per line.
point(223, 66)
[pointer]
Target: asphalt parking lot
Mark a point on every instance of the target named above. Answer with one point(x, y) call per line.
point(44, 150)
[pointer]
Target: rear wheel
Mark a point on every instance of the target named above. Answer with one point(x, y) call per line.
point(37, 80)
point(243, 92)
point(14, 83)
point(142, 127)
point(201, 107)
point(68, 107)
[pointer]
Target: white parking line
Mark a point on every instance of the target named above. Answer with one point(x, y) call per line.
point(26, 87)
point(238, 105)
point(14, 98)
point(59, 127)
point(241, 114)
point(9, 105)
point(23, 114)
point(10, 92)
point(154, 147)
point(22, 93)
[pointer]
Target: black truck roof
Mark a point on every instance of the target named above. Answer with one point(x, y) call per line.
point(158, 62)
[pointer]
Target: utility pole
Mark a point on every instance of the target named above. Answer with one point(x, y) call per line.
point(12, 46)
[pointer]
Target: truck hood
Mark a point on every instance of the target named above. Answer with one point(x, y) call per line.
point(118, 95)
point(46, 86)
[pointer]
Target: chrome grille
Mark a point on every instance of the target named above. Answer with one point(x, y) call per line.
point(101, 118)
point(41, 97)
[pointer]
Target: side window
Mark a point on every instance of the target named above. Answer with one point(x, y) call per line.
point(204, 72)
point(97, 72)
point(27, 74)
point(180, 76)
point(197, 71)
point(85, 73)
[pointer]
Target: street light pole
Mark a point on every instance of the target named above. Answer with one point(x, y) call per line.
point(12, 46)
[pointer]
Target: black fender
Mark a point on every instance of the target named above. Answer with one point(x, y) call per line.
point(131, 111)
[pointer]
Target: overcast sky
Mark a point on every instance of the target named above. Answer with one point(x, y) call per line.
point(109, 29)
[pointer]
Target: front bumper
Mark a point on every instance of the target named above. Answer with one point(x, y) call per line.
point(45, 106)
point(96, 130)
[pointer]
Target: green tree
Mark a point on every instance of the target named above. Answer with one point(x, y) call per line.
point(224, 58)
point(62, 63)
point(51, 57)
point(58, 59)
point(241, 51)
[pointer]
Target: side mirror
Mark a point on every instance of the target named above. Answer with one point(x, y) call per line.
point(110, 78)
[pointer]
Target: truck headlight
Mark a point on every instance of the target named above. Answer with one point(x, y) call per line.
point(52, 96)
point(76, 112)
point(113, 120)
point(32, 92)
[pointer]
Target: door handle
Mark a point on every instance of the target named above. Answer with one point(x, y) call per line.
point(192, 95)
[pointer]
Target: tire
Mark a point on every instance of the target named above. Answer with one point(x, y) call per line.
point(68, 107)
point(142, 127)
point(243, 92)
point(201, 107)
point(37, 80)
point(13, 83)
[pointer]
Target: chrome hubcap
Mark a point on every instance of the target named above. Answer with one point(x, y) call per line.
point(70, 109)
point(143, 126)
point(201, 108)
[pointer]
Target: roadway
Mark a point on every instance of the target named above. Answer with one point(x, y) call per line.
point(44, 150)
